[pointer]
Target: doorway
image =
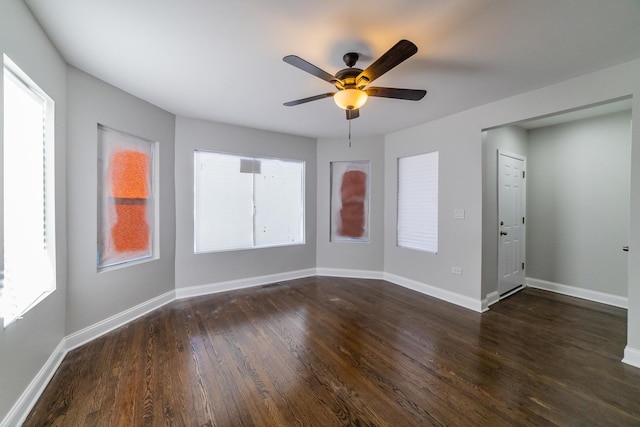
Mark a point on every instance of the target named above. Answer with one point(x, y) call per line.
point(570, 247)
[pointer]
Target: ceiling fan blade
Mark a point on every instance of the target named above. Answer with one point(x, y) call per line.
point(300, 63)
point(401, 51)
point(353, 114)
point(392, 92)
point(309, 99)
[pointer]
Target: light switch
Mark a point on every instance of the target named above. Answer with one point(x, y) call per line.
point(458, 213)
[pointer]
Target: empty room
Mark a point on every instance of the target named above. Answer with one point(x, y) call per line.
point(320, 213)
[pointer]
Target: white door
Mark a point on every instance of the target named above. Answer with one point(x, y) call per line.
point(511, 221)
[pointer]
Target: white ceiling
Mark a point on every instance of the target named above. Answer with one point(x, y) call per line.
point(222, 60)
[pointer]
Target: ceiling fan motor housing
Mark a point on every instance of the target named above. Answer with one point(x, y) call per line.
point(348, 77)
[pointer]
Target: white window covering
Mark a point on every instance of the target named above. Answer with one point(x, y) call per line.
point(279, 202)
point(223, 203)
point(28, 215)
point(245, 202)
point(125, 184)
point(417, 226)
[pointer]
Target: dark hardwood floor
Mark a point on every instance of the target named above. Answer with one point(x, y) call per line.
point(335, 352)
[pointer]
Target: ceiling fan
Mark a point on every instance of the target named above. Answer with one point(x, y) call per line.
point(352, 83)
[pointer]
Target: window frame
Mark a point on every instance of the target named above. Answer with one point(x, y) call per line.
point(12, 305)
point(244, 160)
point(152, 204)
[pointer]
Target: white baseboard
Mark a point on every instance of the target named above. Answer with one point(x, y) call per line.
point(601, 297)
point(442, 294)
point(96, 330)
point(632, 356)
point(20, 410)
point(212, 288)
point(341, 272)
point(491, 299)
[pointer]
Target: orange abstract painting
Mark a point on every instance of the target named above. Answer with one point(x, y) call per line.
point(350, 201)
point(131, 231)
point(128, 179)
point(128, 172)
point(352, 191)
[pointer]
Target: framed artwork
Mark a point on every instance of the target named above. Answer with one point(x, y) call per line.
point(350, 201)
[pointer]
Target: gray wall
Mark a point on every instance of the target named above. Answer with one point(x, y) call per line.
point(458, 138)
point(26, 344)
point(212, 268)
point(512, 139)
point(578, 203)
point(369, 256)
point(95, 296)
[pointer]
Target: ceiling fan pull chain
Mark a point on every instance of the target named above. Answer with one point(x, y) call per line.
point(349, 133)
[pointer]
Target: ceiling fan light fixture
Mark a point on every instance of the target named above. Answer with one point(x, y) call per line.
point(350, 99)
point(352, 83)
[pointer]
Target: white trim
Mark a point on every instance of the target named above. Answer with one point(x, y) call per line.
point(632, 356)
point(512, 155)
point(212, 288)
point(349, 273)
point(596, 296)
point(491, 299)
point(20, 410)
point(96, 330)
point(423, 288)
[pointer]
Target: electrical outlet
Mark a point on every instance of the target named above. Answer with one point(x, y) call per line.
point(456, 270)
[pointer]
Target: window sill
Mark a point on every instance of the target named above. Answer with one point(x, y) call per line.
point(6, 322)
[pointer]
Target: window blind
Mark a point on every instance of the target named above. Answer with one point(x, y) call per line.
point(28, 244)
point(417, 223)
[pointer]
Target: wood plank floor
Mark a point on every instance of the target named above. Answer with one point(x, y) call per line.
point(334, 352)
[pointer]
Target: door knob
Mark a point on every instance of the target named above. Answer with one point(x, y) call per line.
point(503, 233)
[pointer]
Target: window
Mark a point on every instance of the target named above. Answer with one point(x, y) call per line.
point(417, 226)
point(245, 202)
point(126, 203)
point(29, 267)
